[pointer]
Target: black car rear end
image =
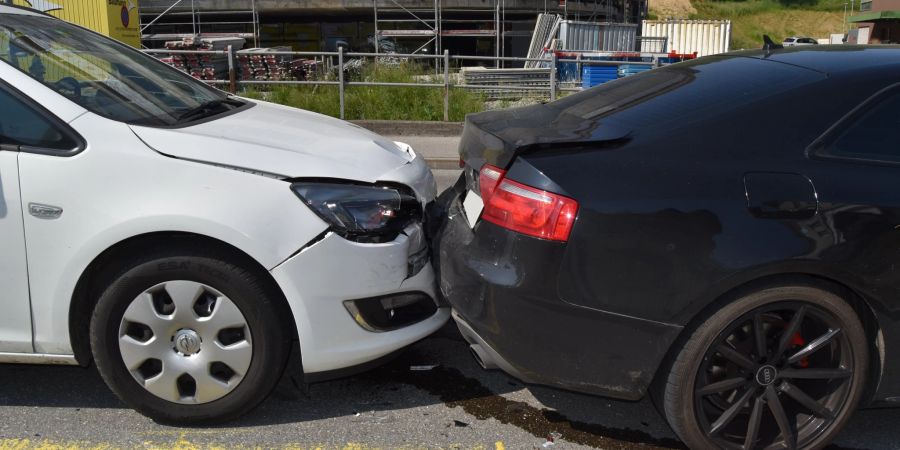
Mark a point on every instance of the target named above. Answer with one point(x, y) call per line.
point(673, 217)
point(548, 293)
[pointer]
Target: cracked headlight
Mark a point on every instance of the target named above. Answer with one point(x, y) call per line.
point(361, 213)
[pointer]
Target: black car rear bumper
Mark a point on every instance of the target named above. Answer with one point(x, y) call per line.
point(503, 287)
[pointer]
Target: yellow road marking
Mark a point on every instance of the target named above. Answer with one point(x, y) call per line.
point(183, 443)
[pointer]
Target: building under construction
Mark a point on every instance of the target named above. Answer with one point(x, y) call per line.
point(463, 27)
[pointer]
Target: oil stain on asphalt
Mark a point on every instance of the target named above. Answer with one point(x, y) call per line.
point(455, 389)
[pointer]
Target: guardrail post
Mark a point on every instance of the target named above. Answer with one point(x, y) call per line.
point(232, 75)
point(446, 85)
point(341, 77)
point(552, 76)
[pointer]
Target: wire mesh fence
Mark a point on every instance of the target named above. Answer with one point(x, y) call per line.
point(235, 70)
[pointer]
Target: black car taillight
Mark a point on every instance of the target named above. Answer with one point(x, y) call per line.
point(525, 209)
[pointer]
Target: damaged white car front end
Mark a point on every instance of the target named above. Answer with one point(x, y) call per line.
point(363, 287)
point(185, 240)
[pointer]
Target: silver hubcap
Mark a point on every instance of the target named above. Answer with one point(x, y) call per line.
point(185, 342)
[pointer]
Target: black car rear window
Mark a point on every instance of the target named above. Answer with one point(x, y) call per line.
point(871, 134)
point(687, 92)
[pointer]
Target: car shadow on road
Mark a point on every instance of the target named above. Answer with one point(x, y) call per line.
point(456, 382)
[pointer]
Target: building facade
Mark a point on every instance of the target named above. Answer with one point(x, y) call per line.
point(463, 27)
point(879, 21)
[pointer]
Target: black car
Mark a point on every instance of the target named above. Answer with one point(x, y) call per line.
point(671, 234)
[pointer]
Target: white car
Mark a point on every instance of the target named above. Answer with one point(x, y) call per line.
point(794, 41)
point(190, 242)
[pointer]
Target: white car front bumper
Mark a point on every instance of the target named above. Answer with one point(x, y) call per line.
point(322, 276)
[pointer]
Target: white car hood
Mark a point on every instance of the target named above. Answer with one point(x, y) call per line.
point(282, 141)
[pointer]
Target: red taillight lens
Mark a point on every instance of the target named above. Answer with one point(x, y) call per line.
point(524, 209)
point(488, 180)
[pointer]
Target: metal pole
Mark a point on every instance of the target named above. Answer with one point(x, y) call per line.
point(552, 76)
point(437, 33)
point(232, 78)
point(845, 17)
point(341, 77)
point(503, 32)
point(255, 24)
point(497, 30)
point(446, 85)
point(578, 67)
point(375, 36)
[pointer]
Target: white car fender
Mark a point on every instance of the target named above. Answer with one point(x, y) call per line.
point(153, 193)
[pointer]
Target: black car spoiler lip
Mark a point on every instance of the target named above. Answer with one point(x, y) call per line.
point(561, 132)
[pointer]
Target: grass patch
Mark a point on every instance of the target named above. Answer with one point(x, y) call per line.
point(377, 102)
point(751, 19)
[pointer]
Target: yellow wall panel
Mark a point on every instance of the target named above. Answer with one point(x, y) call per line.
point(117, 19)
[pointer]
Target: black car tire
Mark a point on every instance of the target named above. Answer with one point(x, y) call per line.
point(685, 403)
point(228, 276)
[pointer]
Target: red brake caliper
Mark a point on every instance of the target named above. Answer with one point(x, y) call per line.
point(798, 341)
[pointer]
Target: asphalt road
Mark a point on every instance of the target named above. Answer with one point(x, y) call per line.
point(453, 405)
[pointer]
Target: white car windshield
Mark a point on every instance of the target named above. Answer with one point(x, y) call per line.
point(105, 76)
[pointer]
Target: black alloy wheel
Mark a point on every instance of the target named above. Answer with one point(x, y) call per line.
point(785, 373)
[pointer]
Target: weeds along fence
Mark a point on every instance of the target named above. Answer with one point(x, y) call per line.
point(331, 70)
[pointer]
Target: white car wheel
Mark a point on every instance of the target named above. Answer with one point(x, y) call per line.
point(191, 335)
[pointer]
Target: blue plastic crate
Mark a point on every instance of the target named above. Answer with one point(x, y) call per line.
point(593, 75)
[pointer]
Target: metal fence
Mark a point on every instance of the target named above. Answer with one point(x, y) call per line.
point(442, 64)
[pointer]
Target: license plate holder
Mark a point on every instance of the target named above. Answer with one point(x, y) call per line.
point(473, 205)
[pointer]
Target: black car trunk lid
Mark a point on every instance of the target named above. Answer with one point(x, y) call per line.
point(498, 137)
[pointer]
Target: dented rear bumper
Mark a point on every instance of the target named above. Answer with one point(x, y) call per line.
point(503, 287)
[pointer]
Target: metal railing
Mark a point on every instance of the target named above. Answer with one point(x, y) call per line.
point(442, 65)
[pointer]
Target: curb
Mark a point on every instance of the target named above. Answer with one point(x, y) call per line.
point(411, 128)
point(443, 163)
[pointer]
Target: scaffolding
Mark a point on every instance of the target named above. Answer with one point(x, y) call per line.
point(433, 22)
point(182, 14)
point(393, 20)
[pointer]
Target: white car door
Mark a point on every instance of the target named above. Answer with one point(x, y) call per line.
point(25, 128)
point(15, 319)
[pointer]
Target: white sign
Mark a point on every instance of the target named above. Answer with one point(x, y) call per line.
point(44, 5)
